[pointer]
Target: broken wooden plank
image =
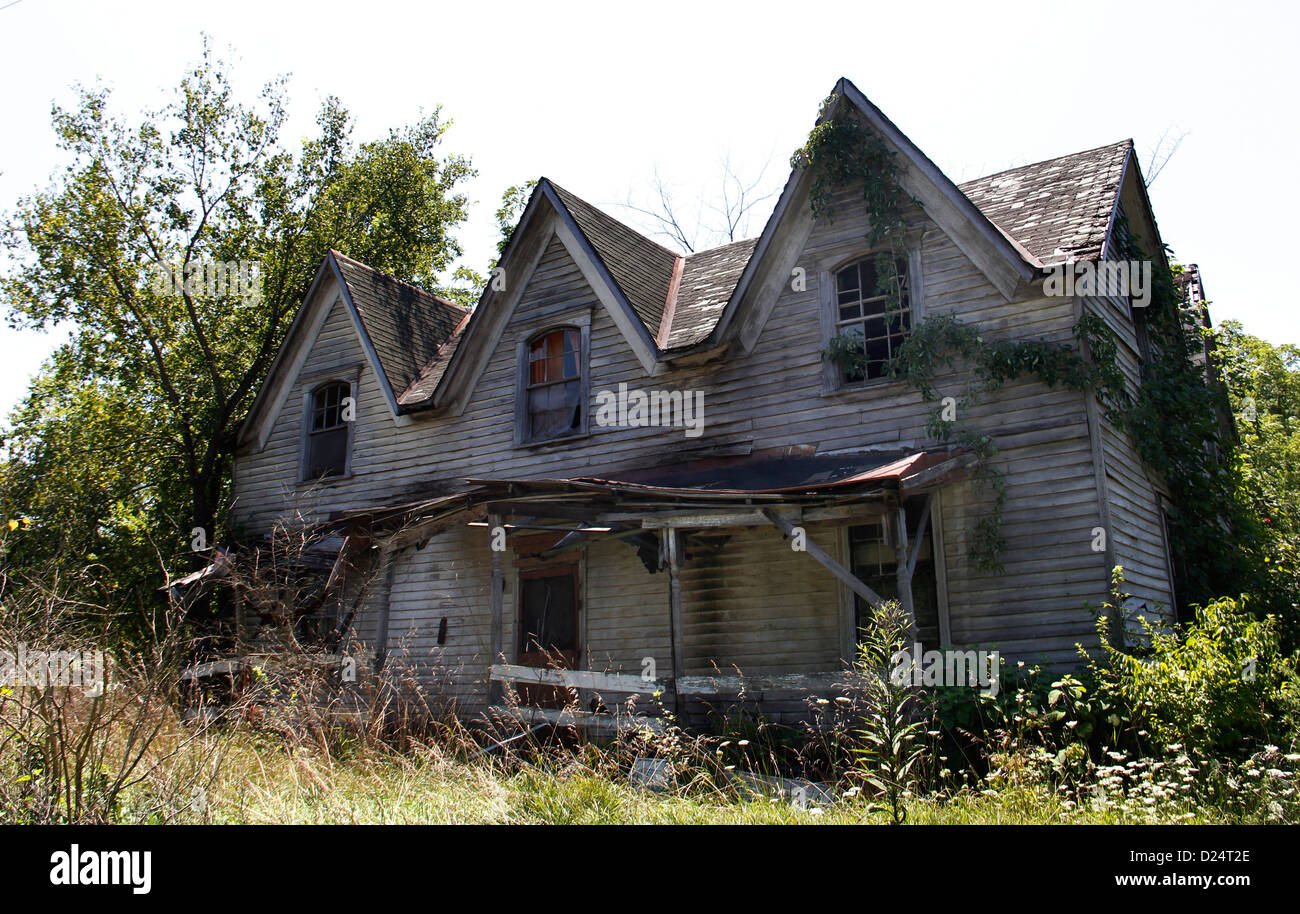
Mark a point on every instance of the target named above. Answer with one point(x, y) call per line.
point(568, 717)
point(903, 573)
point(575, 679)
point(920, 535)
point(675, 609)
point(730, 684)
point(497, 598)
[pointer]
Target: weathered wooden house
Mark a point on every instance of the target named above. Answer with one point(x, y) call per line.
point(519, 506)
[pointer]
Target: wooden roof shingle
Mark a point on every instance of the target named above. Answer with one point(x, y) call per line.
point(1057, 209)
point(708, 279)
point(642, 269)
point(407, 326)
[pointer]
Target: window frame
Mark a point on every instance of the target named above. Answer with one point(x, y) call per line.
point(350, 377)
point(833, 381)
point(575, 322)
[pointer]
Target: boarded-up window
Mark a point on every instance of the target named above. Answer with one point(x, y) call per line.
point(874, 561)
point(873, 307)
point(327, 435)
point(554, 389)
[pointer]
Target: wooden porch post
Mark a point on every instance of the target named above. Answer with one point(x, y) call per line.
point(904, 570)
point(388, 561)
point(675, 615)
point(497, 598)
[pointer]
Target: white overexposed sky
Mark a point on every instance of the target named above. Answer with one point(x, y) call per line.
point(598, 96)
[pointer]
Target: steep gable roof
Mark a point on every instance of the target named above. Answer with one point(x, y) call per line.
point(401, 328)
point(708, 279)
point(1011, 224)
point(1005, 264)
point(642, 268)
point(406, 324)
point(1057, 209)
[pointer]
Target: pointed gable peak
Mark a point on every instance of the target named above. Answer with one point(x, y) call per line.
point(641, 268)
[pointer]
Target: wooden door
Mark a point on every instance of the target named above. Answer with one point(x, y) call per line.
point(549, 607)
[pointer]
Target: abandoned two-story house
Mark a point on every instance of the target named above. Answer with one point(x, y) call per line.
point(628, 470)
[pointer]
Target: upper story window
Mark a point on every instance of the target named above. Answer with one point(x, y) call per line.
point(873, 315)
point(554, 404)
point(328, 430)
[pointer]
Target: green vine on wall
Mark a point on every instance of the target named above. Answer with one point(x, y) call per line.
point(1176, 417)
point(940, 341)
point(842, 151)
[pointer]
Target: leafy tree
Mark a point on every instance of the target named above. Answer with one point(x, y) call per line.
point(1264, 389)
point(125, 441)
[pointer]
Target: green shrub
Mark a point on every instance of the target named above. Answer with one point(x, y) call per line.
point(1218, 686)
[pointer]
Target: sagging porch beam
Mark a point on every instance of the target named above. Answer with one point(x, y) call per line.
point(751, 518)
point(821, 555)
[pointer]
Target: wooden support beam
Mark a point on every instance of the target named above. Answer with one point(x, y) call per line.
point(381, 646)
point(675, 611)
point(497, 601)
point(903, 572)
point(702, 519)
point(821, 555)
point(920, 535)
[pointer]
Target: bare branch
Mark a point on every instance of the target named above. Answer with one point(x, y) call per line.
point(1160, 157)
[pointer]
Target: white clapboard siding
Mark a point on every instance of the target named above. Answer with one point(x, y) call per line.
point(755, 605)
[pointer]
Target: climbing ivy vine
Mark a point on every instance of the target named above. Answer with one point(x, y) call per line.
point(840, 151)
point(1177, 418)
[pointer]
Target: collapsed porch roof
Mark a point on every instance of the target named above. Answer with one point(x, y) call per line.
point(796, 478)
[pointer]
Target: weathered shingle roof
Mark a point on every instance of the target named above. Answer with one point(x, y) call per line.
point(1059, 208)
point(1054, 209)
point(407, 325)
point(642, 269)
point(708, 280)
point(427, 382)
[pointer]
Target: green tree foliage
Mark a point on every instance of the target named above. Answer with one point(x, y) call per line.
point(1263, 383)
point(124, 443)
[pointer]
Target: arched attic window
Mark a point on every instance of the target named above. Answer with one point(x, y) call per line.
point(555, 374)
point(328, 432)
point(873, 315)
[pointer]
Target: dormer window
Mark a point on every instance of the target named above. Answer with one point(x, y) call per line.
point(873, 315)
point(554, 404)
point(327, 450)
